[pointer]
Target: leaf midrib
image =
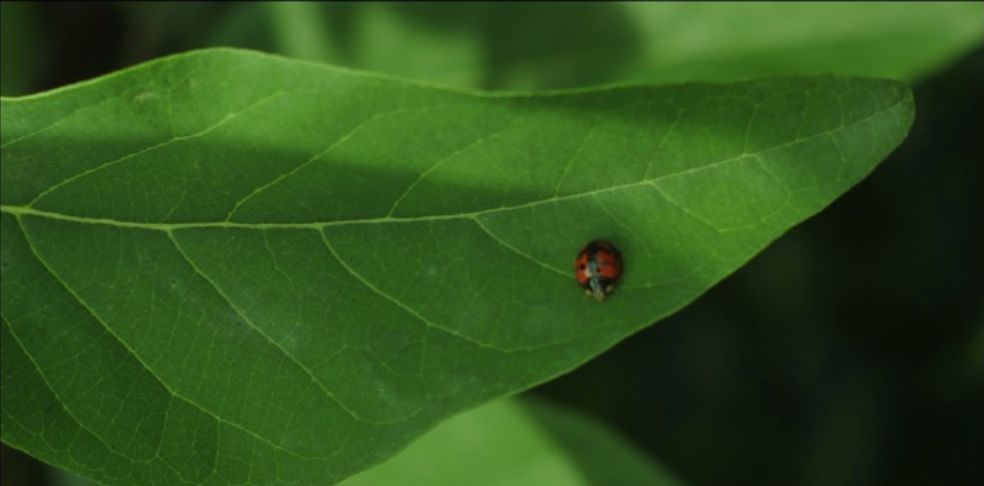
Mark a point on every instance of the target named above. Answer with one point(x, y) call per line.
point(19, 210)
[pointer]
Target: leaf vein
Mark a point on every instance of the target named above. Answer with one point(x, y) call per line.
point(136, 356)
point(515, 250)
point(61, 402)
point(340, 140)
point(242, 315)
point(432, 168)
point(357, 276)
point(229, 117)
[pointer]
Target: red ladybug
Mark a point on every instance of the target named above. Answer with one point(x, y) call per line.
point(597, 268)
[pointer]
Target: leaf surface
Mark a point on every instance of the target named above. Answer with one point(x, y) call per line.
point(227, 267)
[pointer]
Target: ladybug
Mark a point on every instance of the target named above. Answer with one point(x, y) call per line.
point(597, 268)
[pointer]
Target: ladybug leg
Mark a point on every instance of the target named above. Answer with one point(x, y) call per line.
point(596, 291)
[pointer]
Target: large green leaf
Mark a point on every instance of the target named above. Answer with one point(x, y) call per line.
point(517, 443)
point(543, 45)
point(224, 266)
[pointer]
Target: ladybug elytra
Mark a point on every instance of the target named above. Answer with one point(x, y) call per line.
point(597, 269)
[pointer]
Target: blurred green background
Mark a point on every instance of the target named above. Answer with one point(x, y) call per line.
point(851, 351)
